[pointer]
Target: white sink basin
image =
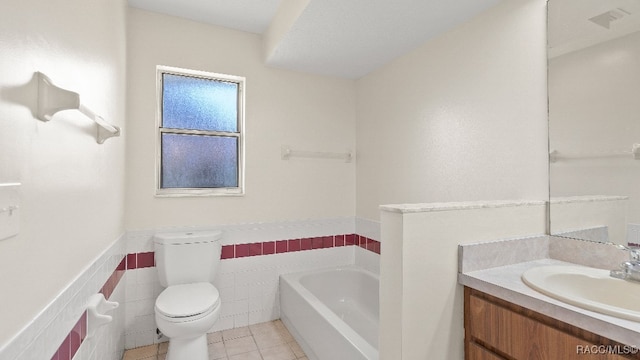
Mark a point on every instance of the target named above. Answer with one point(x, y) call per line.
point(588, 288)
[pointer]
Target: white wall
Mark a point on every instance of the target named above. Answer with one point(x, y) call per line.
point(596, 218)
point(463, 117)
point(72, 188)
point(593, 109)
point(304, 111)
point(421, 303)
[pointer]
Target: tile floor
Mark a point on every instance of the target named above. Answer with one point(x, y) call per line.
point(265, 341)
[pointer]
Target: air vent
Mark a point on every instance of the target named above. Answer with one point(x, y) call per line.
point(605, 19)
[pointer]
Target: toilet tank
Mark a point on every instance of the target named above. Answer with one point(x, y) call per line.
point(188, 257)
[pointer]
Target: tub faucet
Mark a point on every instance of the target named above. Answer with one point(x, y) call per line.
point(629, 270)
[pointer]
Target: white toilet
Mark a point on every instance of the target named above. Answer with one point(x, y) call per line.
point(190, 304)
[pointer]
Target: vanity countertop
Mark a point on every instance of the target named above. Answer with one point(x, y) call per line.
point(450, 206)
point(505, 282)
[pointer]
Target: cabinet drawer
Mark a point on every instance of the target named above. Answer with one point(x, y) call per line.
point(476, 352)
point(517, 336)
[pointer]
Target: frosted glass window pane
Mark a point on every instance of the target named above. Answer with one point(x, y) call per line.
point(199, 104)
point(197, 161)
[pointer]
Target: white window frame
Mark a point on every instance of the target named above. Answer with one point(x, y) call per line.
point(240, 135)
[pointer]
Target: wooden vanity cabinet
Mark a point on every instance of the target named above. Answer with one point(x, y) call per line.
point(498, 330)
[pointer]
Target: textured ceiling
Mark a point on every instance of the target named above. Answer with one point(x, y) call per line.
point(246, 15)
point(331, 37)
point(351, 38)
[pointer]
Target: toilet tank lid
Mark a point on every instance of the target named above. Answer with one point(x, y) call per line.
point(189, 237)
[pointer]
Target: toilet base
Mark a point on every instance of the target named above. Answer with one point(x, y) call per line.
point(192, 348)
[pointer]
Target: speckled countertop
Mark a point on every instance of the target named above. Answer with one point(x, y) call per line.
point(449, 206)
point(505, 282)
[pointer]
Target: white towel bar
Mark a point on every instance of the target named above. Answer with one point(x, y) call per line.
point(287, 153)
point(52, 99)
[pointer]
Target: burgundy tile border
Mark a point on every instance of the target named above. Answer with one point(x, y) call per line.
point(114, 279)
point(242, 250)
point(132, 261)
point(268, 248)
point(146, 259)
point(71, 344)
point(306, 244)
point(282, 246)
point(292, 245)
point(228, 252)
point(255, 249)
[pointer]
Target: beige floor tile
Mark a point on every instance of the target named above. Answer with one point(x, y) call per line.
point(253, 355)
point(217, 351)
point(279, 324)
point(240, 345)
point(268, 339)
point(278, 352)
point(163, 347)
point(286, 335)
point(265, 341)
point(141, 352)
point(214, 337)
point(297, 350)
point(270, 326)
point(236, 333)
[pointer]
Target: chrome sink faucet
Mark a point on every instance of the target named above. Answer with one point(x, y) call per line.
point(629, 270)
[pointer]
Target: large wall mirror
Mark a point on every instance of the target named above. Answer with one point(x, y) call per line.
point(594, 119)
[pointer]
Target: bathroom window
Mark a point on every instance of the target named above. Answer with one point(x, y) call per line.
point(200, 133)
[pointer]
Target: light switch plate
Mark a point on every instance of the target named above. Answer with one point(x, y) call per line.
point(9, 210)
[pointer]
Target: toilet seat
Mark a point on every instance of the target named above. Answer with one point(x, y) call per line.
point(187, 302)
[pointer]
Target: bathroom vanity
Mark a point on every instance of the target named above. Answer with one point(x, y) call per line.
point(496, 329)
point(508, 320)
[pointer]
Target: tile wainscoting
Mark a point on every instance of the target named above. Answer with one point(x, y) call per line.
point(633, 235)
point(76, 338)
point(249, 271)
point(254, 256)
point(147, 259)
point(59, 331)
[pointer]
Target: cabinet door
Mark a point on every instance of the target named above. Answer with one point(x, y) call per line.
point(476, 352)
point(524, 338)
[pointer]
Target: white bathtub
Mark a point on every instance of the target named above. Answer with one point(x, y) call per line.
point(332, 313)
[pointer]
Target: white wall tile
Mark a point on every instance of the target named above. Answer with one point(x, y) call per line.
point(241, 320)
point(633, 233)
point(248, 288)
point(367, 260)
point(41, 339)
point(368, 228)
point(142, 240)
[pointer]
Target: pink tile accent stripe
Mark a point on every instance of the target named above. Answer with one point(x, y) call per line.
point(146, 259)
point(78, 334)
point(74, 339)
point(140, 260)
point(283, 246)
point(114, 279)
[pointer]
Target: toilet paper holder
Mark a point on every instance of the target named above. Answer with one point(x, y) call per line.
point(97, 306)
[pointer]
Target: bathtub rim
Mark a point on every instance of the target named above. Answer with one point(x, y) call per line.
point(293, 280)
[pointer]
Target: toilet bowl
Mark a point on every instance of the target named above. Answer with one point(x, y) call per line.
point(184, 313)
point(190, 305)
